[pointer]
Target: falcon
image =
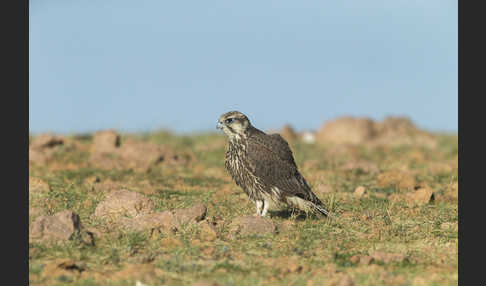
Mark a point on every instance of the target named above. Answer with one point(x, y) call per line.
point(264, 167)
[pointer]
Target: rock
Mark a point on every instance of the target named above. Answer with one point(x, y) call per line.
point(421, 196)
point(166, 221)
point(248, 225)
point(92, 180)
point(398, 130)
point(161, 221)
point(359, 192)
point(347, 130)
point(361, 259)
point(43, 148)
point(60, 226)
point(354, 259)
point(123, 203)
point(195, 213)
point(365, 260)
point(45, 141)
point(387, 257)
point(399, 179)
point(105, 141)
point(110, 153)
point(144, 155)
point(393, 131)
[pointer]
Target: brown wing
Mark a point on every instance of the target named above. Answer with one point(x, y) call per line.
point(270, 159)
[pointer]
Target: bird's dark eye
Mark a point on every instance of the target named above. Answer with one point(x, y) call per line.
point(229, 120)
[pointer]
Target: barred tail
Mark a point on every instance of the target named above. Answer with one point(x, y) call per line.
point(321, 210)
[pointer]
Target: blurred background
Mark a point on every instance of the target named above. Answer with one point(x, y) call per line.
point(177, 65)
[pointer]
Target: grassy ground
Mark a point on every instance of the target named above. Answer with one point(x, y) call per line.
point(305, 251)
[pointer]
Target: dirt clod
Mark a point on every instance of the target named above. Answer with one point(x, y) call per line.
point(123, 203)
point(387, 257)
point(359, 192)
point(247, 225)
point(195, 213)
point(60, 226)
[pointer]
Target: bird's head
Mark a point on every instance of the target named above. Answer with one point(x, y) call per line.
point(234, 124)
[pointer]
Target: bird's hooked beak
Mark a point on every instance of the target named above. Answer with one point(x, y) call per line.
point(219, 126)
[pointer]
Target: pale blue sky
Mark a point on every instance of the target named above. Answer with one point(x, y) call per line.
point(145, 65)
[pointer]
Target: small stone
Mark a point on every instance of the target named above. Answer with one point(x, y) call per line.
point(359, 192)
point(92, 180)
point(354, 259)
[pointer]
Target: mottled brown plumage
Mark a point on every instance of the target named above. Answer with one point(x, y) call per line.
point(264, 167)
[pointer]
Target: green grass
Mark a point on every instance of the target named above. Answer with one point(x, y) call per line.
point(305, 251)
